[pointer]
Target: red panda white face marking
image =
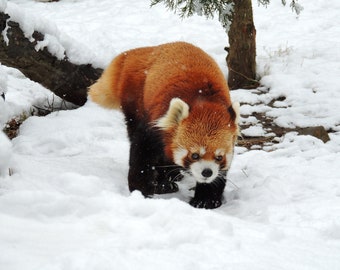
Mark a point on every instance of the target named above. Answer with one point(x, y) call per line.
point(227, 157)
point(179, 155)
point(204, 171)
point(204, 165)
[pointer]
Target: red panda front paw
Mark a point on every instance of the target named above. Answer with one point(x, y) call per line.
point(205, 203)
point(166, 187)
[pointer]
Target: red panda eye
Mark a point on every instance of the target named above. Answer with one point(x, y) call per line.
point(219, 158)
point(195, 156)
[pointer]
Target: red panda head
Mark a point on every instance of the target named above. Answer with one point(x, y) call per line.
point(201, 139)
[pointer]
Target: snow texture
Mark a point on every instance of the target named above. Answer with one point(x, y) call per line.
point(58, 43)
point(3, 81)
point(67, 204)
point(5, 154)
point(3, 5)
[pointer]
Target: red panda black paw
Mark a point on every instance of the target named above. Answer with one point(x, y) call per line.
point(177, 178)
point(205, 203)
point(166, 187)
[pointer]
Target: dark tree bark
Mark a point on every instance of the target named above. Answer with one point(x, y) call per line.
point(241, 59)
point(67, 80)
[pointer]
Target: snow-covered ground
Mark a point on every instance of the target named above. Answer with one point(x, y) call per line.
point(67, 205)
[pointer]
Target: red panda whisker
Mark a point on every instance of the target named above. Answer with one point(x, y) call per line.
point(177, 176)
point(186, 172)
point(174, 170)
point(167, 166)
point(231, 182)
point(215, 183)
point(222, 174)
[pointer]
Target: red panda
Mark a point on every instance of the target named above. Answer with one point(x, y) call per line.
point(179, 115)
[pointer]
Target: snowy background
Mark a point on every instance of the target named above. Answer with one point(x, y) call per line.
point(67, 206)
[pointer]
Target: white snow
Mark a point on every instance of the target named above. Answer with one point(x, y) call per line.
point(5, 154)
point(67, 204)
point(22, 94)
point(3, 80)
point(3, 4)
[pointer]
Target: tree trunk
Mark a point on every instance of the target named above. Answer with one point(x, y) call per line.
point(242, 51)
point(67, 80)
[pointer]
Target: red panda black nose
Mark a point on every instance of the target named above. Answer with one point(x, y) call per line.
point(207, 172)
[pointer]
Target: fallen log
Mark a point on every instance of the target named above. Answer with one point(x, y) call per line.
point(67, 80)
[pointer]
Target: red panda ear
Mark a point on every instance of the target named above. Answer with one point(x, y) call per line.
point(235, 107)
point(234, 111)
point(178, 110)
